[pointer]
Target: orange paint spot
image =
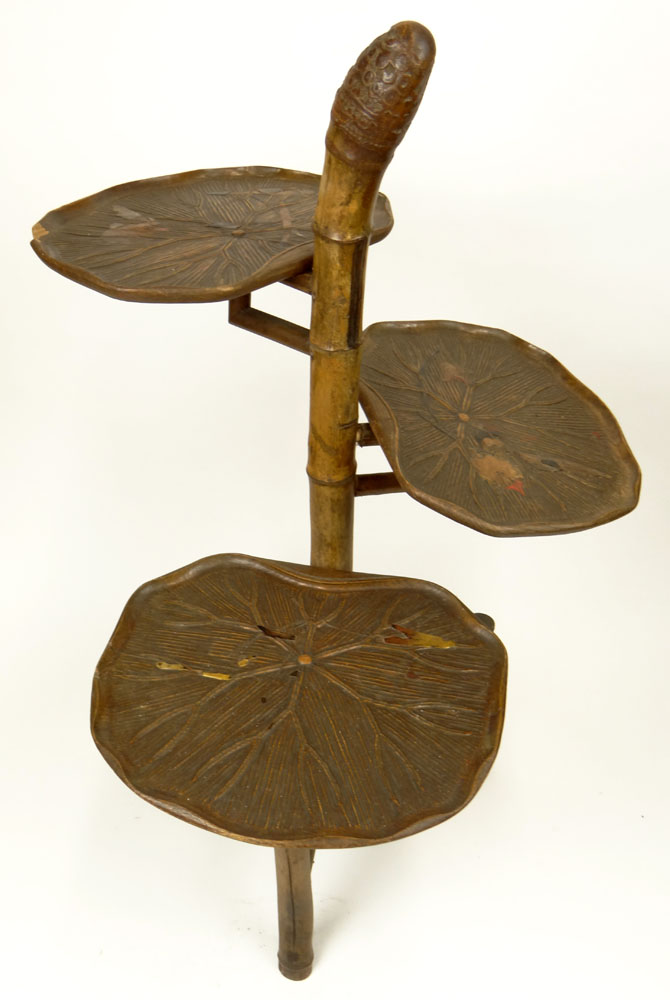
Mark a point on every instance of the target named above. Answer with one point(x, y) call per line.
point(496, 469)
point(304, 659)
point(517, 486)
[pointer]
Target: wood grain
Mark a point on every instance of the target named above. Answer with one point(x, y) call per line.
point(492, 431)
point(371, 112)
point(286, 705)
point(201, 236)
point(380, 94)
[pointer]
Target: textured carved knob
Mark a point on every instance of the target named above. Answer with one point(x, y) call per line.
point(380, 95)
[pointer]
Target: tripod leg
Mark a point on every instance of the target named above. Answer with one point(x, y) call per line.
point(296, 913)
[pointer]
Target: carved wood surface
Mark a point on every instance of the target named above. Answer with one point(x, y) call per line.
point(292, 706)
point(201, 236)
point(381, 93)
point(492, 431)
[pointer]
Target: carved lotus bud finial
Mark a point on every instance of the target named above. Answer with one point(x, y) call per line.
point(380, 95)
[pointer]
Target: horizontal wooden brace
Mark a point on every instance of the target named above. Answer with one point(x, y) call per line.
point(372, 484)
point(365, 436)
point(241, 313)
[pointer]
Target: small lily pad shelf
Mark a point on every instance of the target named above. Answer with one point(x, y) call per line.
point(200, 236)
point(492, 431)
point(305, 707)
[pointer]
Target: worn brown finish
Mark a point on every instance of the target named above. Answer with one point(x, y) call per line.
point(492, 431)
point(372, 110)
point(365, 437)
point(200, 236)
point(375, 484)
point(306, 707)
point(241, 313)
point(295, 911)
point(527, 451)
point(301, 282)
point(380, 95)
point(291, 706)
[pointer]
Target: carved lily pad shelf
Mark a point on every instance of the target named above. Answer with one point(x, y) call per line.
point(201, 236)
point(304, 707)
point(492, 431)
point(286, 705)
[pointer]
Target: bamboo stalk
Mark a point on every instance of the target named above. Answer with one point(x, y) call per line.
point(371, 113)
point(295, 909)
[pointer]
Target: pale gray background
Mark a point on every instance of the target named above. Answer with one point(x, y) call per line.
point(530, 194)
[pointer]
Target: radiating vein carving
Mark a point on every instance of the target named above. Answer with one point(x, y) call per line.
point(274, 702)
point(492, 431)
point(202, 235)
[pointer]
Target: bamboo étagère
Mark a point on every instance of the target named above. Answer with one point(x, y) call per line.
point(311, 707)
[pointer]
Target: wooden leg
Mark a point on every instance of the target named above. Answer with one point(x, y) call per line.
point(296, 912)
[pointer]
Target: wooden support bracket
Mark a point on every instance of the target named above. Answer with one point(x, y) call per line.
point(241, 313)
point(302, 282)
point(373, 484)
point(365, 436)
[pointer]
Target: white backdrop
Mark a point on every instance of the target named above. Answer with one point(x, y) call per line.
point(530, 194)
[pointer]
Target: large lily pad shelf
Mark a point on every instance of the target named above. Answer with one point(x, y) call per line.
point(492, 431)
point(201, 236)
point(287, 705)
